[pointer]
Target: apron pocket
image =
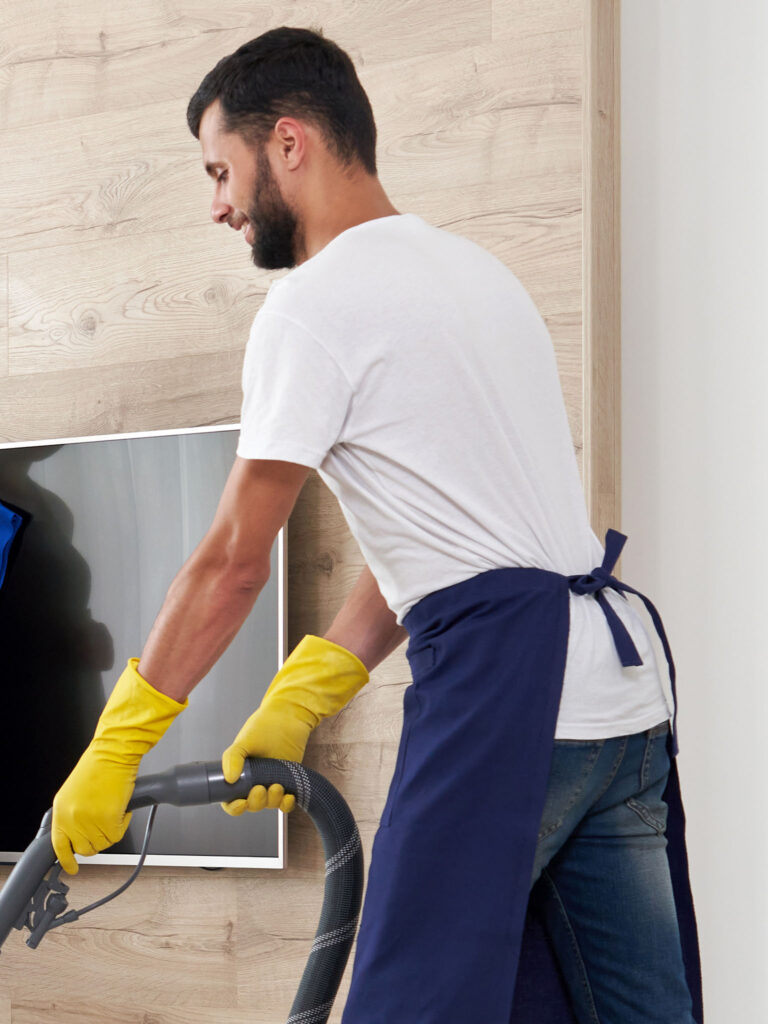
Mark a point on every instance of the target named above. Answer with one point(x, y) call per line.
point(421, 659)
point(411, 709)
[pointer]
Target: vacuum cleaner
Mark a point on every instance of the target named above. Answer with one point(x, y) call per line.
point(31, 900)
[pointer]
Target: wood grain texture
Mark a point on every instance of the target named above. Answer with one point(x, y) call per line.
point(124, 308)
point(152, 302)
point(162, 394)
point(84, 58)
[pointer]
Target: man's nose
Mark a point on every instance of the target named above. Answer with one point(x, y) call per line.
point(220, 212)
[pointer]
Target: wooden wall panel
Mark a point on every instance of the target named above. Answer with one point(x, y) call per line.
point(124, 308)
point(454, 137)
point(82, 57)
point(159, 395)
point(152, 302)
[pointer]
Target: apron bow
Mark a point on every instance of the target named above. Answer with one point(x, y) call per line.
point(594, 582)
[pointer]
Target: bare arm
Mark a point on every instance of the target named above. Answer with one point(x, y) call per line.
point(217, 586)
point(365, 624)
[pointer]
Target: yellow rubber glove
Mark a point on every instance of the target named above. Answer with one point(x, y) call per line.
point(316, 680)
point(89, 809)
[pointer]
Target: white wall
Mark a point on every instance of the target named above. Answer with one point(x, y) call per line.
point(694, 215)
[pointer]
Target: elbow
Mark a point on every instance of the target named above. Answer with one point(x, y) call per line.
point(248, 576)
point(238, 562)
point(238, 571)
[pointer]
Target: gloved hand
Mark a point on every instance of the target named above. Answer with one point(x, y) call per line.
point(316, 680)
point(89, 809)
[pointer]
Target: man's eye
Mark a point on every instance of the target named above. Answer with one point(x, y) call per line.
point(222, 176)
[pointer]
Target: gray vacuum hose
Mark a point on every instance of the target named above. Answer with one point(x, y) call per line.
point(204, 783)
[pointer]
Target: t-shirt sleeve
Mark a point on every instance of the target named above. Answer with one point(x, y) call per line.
point(295, 395)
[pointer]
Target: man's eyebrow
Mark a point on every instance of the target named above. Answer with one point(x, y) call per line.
point(210, 168)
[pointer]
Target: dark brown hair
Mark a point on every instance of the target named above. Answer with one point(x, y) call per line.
point(292, 72)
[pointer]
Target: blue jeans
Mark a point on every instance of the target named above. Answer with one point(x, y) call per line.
point(604, 880)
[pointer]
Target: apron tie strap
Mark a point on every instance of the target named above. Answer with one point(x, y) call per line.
point(594, 582)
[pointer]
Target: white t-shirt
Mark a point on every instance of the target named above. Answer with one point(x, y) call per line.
point(410, 367)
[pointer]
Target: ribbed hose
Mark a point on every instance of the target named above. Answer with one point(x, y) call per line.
point(203, 783)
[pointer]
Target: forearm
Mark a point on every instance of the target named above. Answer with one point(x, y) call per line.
point(204, 608)
point(365, 624)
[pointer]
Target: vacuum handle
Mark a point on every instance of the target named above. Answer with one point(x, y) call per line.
point(198, 782)
point(26, 877)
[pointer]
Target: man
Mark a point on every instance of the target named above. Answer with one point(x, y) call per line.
point(412, 370)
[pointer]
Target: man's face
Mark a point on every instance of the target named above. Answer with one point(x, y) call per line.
point(247, 195)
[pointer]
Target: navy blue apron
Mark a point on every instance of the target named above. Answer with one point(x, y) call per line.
point(448, 894)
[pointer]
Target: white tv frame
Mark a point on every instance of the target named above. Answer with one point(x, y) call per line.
point(168, 860)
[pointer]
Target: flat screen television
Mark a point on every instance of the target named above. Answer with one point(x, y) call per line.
point(108, 523)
